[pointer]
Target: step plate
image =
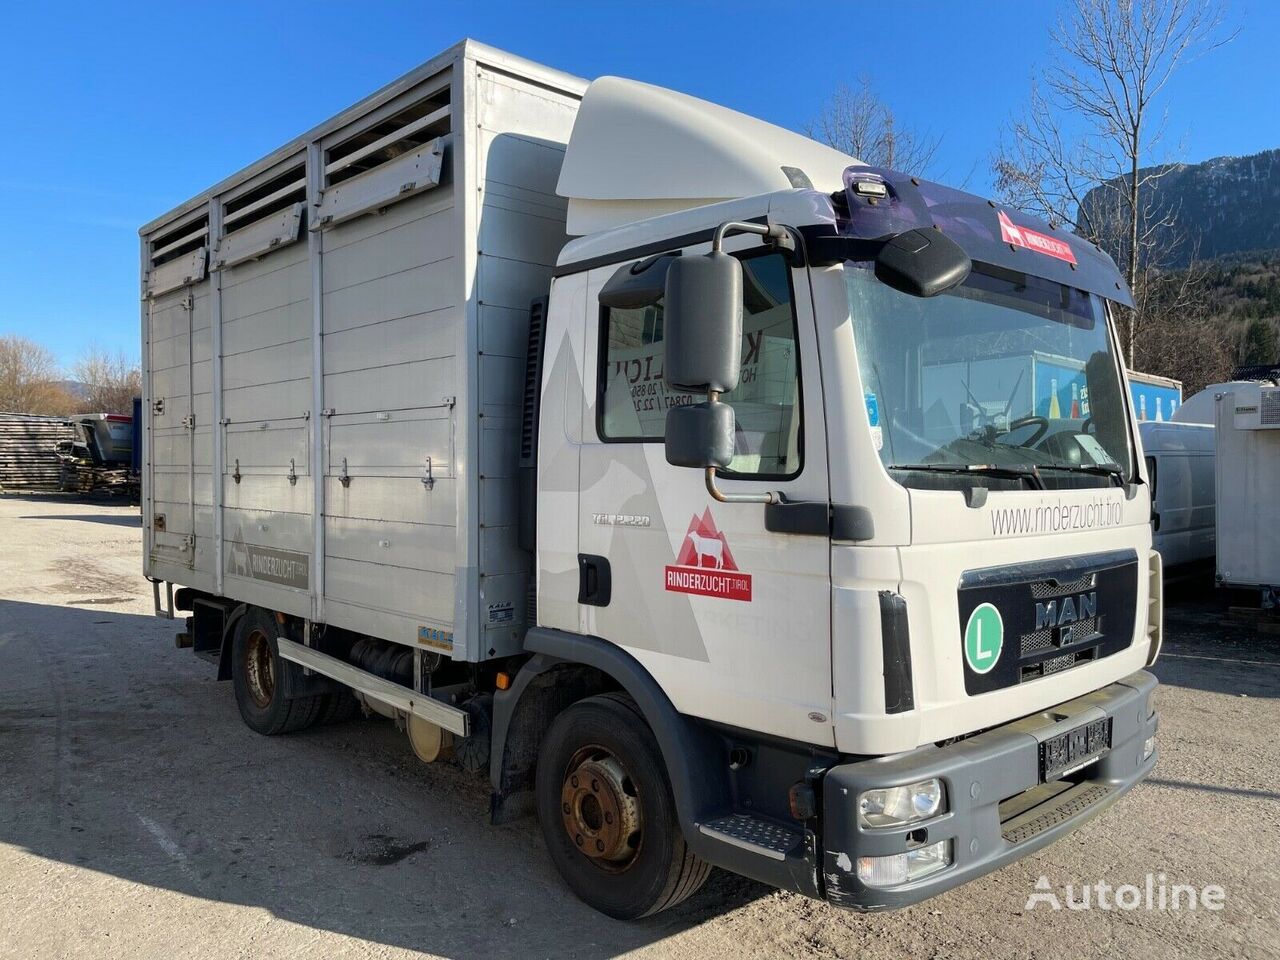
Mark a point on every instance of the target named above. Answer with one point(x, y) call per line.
point(1062, 808)
point(765, 837)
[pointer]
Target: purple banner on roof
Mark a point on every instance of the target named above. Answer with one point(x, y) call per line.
point(988, 232)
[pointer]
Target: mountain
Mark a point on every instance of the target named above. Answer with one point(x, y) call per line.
point(1222, 206)
point(74, 388)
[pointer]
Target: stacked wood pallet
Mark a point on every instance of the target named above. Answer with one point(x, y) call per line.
point(27, 457)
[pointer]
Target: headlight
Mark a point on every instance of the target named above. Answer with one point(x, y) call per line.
point(898, 806)
point(904, 867)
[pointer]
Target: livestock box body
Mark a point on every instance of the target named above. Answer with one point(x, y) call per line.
point(334, 344)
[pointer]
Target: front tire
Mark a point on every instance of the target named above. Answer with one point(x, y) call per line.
point(608, 817)
point(262, 680)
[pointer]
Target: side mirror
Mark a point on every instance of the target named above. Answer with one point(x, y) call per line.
point(702, 323)
point(922, 263)
point(700, 435)
point(702, 353)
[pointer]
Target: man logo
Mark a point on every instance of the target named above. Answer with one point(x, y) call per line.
point(1066, 610)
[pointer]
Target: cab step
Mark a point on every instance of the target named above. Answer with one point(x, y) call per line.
point(760, 835)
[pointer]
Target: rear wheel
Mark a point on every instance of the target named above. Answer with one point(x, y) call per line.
point(607, 813)
point(262, 680)
point(339, 706)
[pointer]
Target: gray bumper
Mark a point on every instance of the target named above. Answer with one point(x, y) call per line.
point(977, 774)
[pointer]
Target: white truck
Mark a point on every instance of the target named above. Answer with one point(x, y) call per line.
point(587, 430)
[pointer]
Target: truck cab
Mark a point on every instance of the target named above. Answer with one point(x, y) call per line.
point(910, 571)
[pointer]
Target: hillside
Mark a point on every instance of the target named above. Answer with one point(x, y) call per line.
point(1223, 206)
point(1244, 287)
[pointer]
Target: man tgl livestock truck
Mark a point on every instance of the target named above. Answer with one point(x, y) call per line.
point(597, 435)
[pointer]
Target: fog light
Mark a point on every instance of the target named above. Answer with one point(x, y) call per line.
point(896, 806)
point(1148, 749)
point(904, 867)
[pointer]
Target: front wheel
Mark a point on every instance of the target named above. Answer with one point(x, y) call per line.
point(607, 813)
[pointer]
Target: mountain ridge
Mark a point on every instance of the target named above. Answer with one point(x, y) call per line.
point(1220, 207)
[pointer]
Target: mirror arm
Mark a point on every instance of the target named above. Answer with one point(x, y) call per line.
point(768, 496)
point(722, 497)
point(777, 235)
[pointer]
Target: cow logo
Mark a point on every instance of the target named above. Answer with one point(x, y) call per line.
point(285, 567)
point(1030, 239)
point(705, 566)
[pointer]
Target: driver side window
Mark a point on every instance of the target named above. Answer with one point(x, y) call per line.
point(634, 399)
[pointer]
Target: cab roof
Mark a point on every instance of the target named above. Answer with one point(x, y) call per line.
point(639, 151)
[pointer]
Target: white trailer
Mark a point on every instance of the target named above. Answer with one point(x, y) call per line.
point(584, 430)
point(1247, 432)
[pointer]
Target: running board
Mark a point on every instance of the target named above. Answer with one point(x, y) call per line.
point(766, 838)
point(402, 698)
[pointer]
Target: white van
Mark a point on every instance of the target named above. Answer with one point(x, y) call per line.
point(1180, 470)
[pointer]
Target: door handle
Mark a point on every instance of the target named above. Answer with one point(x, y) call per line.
point(595, 581)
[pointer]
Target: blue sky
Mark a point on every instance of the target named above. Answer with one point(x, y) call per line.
point(113, 113)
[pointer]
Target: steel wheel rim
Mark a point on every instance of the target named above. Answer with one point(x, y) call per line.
point(600, 809)
point(259, 672)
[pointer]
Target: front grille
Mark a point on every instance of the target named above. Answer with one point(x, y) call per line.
point(1055, 664)
point(1037, 642)
point(1058, 663)
point(1043, 640)
point(1054, 588)
point(1054, 615)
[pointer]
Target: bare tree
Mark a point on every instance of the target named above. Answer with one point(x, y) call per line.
point(1091, 127)
point(29, 379)
point(1180, 336)
point(857, 122)
point(110, 381)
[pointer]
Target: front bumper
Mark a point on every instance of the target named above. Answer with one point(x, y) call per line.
point(991, 783)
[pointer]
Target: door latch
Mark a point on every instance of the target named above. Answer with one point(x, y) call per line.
point(595, 580)
point(428, 480)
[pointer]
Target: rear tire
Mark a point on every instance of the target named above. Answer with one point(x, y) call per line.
point(262, 680)
point(608, 817)
point(339, 706)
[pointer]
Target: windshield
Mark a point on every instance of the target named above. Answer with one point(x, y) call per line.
point(1008, 381)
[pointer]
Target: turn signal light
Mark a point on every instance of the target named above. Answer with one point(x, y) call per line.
point(904, 867)
point(502, 681)
point(802, 801)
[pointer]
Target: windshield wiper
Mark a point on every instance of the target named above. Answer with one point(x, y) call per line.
point(1017, 471)
point(1113, 470)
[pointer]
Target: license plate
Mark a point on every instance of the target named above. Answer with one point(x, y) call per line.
point(1071, 751)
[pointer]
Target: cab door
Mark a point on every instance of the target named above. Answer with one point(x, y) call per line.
point(732, 620)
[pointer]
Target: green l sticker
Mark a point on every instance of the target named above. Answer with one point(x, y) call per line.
point(983, 638)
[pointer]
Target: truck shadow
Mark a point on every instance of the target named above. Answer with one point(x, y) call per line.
point(112, 519)
point(1205, 649)
point(122, 755)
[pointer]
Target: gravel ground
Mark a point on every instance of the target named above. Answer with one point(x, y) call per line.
point(140, 818)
